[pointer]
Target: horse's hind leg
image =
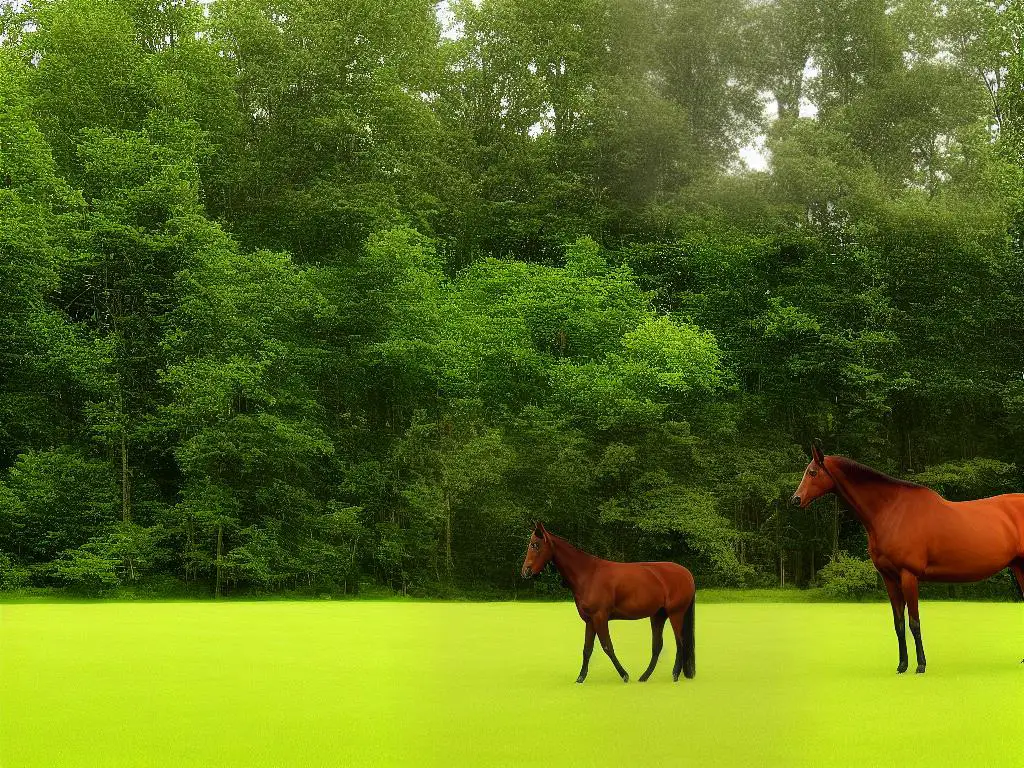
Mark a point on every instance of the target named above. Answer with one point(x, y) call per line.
point(1017, 567)
point(677, 630)
point(908, 584)
point(657, 629)
point(601, 625)
point(896, 599)
point(588, 648)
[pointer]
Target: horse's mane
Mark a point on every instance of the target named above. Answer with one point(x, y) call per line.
point(859, 473)
point(568, 544)
point(574, 552)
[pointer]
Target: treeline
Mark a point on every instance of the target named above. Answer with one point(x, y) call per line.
point(325, 295)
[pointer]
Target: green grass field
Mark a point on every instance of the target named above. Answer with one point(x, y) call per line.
point(376, 683)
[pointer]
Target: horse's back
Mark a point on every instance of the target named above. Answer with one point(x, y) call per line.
point(993, 518)
point(669, 568)
point(642, 589)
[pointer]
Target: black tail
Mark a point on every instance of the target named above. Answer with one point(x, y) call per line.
point(689, 659)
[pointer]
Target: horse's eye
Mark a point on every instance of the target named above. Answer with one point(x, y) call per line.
point(813, 473)
point(534, 545)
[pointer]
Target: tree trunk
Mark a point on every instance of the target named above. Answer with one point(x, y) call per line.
point(126, 488)
point(220, 550)
point(449, 564)
point(190, 548)
point(126, 498)
point(835, 527)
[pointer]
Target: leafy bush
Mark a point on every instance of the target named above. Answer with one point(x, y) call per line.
point(969, 479)
point(90, 569)
point(847, 577)
point(12, 575)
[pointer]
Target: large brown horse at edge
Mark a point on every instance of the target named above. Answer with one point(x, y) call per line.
point(606, 590)
point(916, 535)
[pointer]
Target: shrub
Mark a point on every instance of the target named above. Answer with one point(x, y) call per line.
point(847, 577)
point(88, 569)
point(12, 575)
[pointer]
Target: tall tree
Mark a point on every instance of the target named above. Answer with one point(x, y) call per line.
point(338, 132)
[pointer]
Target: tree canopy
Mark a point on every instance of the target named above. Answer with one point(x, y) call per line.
point(339, 295)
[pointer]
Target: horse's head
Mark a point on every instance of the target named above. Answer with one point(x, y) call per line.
point(816, 481)
point(538, 552)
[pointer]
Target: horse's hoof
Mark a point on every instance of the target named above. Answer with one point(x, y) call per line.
point(901, 668)
point(675, 677)
point(580, 679)
point(920, 669)
point(625, 678)
point(643, 678)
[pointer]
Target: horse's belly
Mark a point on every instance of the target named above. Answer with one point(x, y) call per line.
point(637, 596)
point(636, 607)
point(967, 563)
point(970, 547)
point(962, 572)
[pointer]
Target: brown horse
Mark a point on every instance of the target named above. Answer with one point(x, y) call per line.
point(916, 535)
point(605, 590)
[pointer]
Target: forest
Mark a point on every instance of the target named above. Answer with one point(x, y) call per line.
point(339, 296)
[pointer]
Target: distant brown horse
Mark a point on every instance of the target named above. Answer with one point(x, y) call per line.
point(916, 535)
point(605, 590)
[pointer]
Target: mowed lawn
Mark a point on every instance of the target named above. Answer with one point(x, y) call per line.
point(379, 683)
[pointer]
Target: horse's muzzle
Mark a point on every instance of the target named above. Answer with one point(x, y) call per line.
point(527, 574)
point(795, 501)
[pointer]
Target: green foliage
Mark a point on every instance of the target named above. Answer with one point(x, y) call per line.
point(337, 137)
point(12, 575)
point(847, 577)
point(54, 500)
point(315, 297)
point(91, 568)
point(972, 479)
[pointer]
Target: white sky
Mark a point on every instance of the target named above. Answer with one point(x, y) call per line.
point(444, 15)
point(754, 155)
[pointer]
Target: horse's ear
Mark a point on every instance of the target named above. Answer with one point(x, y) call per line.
point(538, 529)
point(817, 452)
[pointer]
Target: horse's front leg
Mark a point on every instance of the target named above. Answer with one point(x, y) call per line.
point(601, 625)
point(588, 648)
point(892, 586)
point(908, 585)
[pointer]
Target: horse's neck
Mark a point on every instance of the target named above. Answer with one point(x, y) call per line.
point(574, 564)
point(868, 501)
